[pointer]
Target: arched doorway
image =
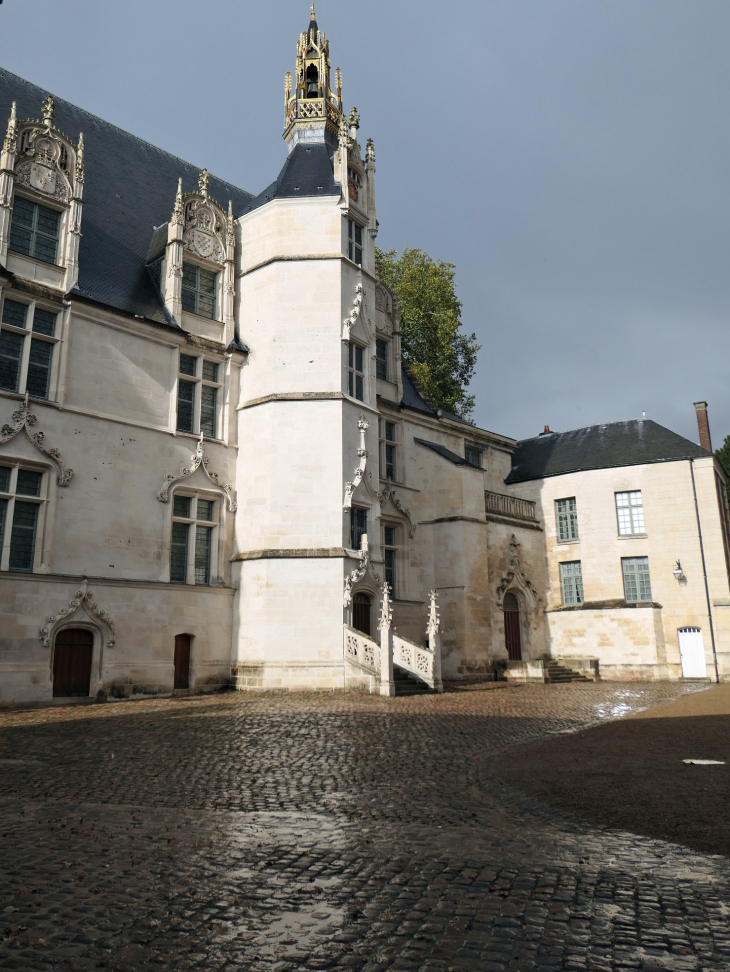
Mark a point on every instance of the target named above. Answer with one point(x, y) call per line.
point(512, 639)
point(182, 661)
point(361, 613)
point(72, 655)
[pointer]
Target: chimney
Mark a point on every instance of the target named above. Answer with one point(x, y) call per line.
point(547, 431)
point(703, 425)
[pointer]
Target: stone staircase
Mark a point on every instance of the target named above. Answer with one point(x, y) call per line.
point(559, 673)
point(407, 684)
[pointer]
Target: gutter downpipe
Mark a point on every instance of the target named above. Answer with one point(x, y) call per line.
point(704, 571)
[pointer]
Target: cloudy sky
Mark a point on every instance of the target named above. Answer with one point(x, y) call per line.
point(571, 157)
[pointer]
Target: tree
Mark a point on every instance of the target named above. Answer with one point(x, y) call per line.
point(723, 454)
point(441, 356)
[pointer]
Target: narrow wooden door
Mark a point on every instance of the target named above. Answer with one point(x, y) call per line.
point(182, 661)
point(692, 653)
point(361, 613)
point(512, 640)
point(72, 654)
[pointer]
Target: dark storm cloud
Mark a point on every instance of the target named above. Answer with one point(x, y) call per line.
point(571, 157)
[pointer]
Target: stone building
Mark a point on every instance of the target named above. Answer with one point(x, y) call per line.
point(215, 467)
point(204, 409)
point(637, 548)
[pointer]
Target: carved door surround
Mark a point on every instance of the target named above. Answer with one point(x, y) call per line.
point(517, 585)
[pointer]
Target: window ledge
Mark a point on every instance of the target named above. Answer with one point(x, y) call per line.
point(616, 603)
point(632, 536)
point(193, 435)
point(565, 543)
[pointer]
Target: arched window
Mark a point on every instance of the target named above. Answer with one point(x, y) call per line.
point(312, 81)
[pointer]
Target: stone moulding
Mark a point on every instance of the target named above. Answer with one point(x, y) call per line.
point(24, 420)
point(360, 469)
point(198, 459)
point(83, 598)
point(388, 493)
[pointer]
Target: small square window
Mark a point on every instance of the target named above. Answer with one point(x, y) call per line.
point(14, 313)
point(181, 507)
point(44, 322)
point(210, 371)
point(205, 510)
point(188, 365)
point(29, 482)
point(473, 456)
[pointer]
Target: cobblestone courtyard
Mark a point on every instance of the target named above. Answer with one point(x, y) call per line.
point(330, 832)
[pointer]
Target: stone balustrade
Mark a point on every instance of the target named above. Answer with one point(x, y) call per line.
point(506, 505)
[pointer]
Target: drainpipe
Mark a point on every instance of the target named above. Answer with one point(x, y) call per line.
point(704, 570)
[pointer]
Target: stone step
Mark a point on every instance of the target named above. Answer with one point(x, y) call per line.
point(407, 684)
point(556, 673)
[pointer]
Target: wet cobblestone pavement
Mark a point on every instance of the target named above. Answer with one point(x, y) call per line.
point(297, 832)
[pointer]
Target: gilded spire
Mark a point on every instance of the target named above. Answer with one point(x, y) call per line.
point(79, 170)
point(178, 214)
point(312, 17)
point(287, 88)
point(11, 138)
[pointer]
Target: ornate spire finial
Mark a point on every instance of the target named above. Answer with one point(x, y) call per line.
point(354, 118)
point(49, 109)
point(79, 171)
point(230, 231)
point(11, 138)
point(287, 88)
point(370, 151)
point(312, 17)
point(178, 215)
point(342, 131)
point(338, 88)
point(204, 182)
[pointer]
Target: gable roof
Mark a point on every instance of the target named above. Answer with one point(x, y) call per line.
point(130, 189)
point(633, 442)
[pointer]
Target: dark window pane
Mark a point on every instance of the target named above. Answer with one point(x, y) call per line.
point(206, 306)
point(350, 251)
point(22, 537)
point(350, 351)
point(44, 322)
point(390, 431)
point(358, 359)
point(390, 569)
point(187, 364)
point(179, 553)
point(39, 368)
point(205, 510)
point(45, 249)
point(210, 371)
point(29, 482)
point(350, 383)
point(350, 227)
point(11, 346)
point(48, 220)
point(23, 212)
point(188, 301)
point(14, 313)
point(389, 536)
point(358, 388)
point(206, 281)
point(4, 479)
point(3, 517)
point(358, 234)
point(181, 506)
point(473, 457)
point(358, 526)
point(382, 359)
point(185, 398)
point(208, 398)
point(390, 462)
point(202, 554)
point(190, 276)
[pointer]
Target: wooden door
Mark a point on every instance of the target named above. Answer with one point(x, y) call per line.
point(182, 661)
point(361, 613)
point(73, 650)
point(692, 653)
point(512, 628)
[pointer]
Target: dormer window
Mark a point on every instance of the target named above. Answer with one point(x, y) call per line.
point(198, 291)
point(354, 242)
point(34, 230)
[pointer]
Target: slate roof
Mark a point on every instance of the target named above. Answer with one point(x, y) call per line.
point(130, 188)
point(412, 397)
point(443, 451)
point(633, 442)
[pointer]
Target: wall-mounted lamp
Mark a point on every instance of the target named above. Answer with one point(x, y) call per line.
point(678, 572)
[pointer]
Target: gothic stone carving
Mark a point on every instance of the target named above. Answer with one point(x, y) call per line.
point(363, 571)
point(206, 226)
point(515, 579)
point(24, 420)
point(359, 476)
point(357, 303)
point(197, 459)
point(388, 493)
point(82, 599)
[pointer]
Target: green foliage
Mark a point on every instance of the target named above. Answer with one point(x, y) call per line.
point(440, 355)
point(723, 454)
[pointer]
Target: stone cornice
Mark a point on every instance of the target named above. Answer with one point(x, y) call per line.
point(292, 553)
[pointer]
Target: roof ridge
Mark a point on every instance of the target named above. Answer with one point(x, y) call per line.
point(142, 141)
point(593, 425)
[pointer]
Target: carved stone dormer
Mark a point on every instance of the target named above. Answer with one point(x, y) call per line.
point(200, 227)
point(43, 165)
point(387, 328)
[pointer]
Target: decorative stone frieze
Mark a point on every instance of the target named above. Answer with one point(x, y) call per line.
point(198, 459)
point(24, 421)
point(82, 600)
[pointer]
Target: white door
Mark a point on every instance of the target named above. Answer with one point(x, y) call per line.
point(692, 653)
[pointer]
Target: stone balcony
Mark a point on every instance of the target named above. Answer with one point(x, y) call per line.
point(502, 506)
